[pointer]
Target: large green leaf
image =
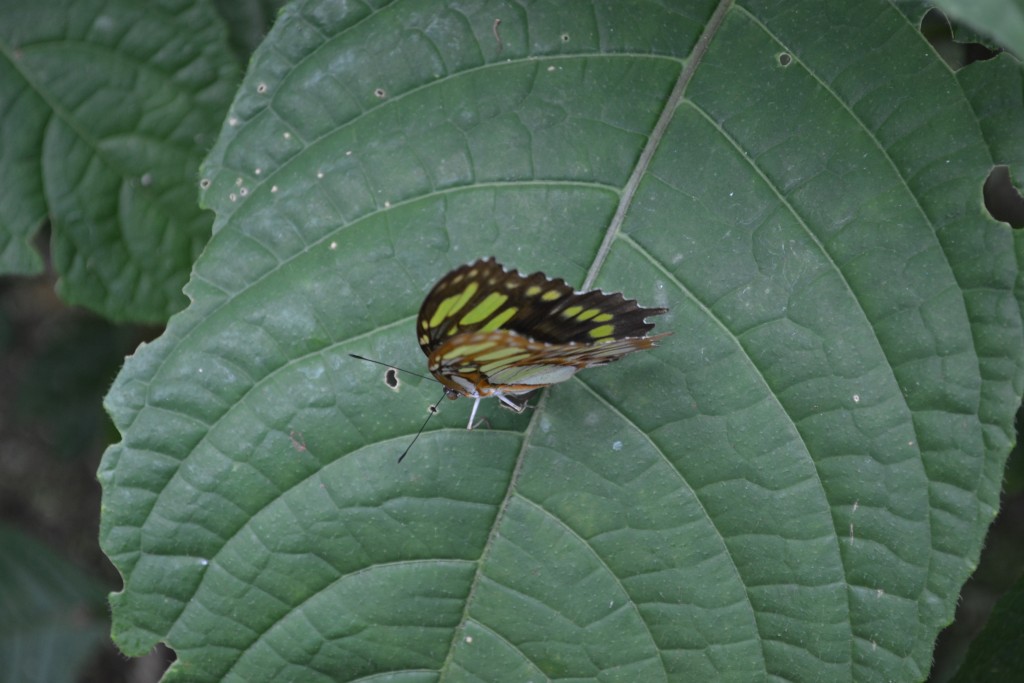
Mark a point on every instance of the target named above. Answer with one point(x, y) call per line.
point(106, 108)
point(793, 486)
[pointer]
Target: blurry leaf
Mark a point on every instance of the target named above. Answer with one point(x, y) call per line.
point(50, 613)
point(1000, 565)
point(996, 654)
point(247, 22)
point(1001, 19)
point(1014, 483)
point(72, 370)
point(793, 486)
point(108, 106)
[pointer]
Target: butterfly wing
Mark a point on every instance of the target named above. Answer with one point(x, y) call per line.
point(483, 297)
point(504, 362)
point(488, 331)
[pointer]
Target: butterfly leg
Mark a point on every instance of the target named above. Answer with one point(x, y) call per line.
point(482, 421)
point(472, 414)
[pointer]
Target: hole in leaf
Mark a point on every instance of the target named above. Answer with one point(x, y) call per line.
point(785, 59)
point(954, 43)
point(1002, 199)
point(391, 378)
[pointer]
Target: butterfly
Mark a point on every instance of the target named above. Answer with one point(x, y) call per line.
point(490, 331)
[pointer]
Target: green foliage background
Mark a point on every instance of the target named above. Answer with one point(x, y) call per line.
point(796, 484)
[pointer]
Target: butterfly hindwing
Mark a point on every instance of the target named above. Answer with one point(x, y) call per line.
point(505, 358)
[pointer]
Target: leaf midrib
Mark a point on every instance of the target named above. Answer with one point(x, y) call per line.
point(626, 198)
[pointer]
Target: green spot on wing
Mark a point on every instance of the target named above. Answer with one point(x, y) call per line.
point(467, 350)
point(500, 354)
point(571, 311)
point(484, 309)
point(452, 304)
point(551, 295)
point(497, 321)
point(499, 364)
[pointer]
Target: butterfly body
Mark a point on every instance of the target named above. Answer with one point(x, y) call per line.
point(488, 331)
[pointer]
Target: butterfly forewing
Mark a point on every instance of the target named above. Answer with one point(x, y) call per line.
point(484, 297)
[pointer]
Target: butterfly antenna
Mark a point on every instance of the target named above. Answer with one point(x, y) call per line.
point(433, 409)
point(389, 365)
